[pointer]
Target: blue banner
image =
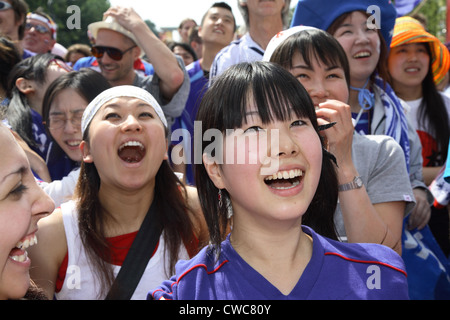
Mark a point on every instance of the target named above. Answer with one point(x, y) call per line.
point(427, 267)
point(405, 6)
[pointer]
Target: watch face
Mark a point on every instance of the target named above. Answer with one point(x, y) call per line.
point(359, 182)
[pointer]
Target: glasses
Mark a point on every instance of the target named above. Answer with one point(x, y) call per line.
point(39, 28)
point(61, 64)
point(57, 122)
point(113, 53)
point(4, 6)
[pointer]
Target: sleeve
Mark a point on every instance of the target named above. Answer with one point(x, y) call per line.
point(62, 190)
point(166, 291)
point(389, 180)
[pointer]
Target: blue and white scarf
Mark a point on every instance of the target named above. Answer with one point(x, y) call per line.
point(396, 123)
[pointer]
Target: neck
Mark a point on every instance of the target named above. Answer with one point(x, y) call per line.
point(209, 52)
point(263, 29)
point(407, 93)
point(124, 211)
point(127, 80)
point(278, 254)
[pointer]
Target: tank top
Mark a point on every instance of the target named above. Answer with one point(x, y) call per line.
point(82, 283)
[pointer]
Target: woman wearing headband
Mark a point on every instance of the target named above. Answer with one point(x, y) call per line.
point(124, 175)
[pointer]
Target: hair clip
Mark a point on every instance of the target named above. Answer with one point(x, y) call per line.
point(326, 126)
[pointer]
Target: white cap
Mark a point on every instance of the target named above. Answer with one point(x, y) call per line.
point(280, 37)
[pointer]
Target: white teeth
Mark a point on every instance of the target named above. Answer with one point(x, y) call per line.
point(285, 174)
point(362, 55)
point(20, 258)
point(27, 243)
point(412, 70)
point(132, 144)
point(73, 143)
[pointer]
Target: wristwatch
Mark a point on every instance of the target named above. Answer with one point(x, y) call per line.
point(355, 184)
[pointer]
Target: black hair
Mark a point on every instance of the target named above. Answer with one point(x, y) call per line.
point(220, 5)
point(86, 82)
point(185, 46)
point(19, 111)
point(312, 44)
point(277, 94)
point(432, 110)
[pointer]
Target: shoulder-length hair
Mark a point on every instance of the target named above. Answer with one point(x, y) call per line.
point(172, 218)
point(312, 44)
point(276, 93)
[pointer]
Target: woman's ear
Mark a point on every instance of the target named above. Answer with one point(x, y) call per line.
point(84, 147)
point(25, 86)
point(214, 171)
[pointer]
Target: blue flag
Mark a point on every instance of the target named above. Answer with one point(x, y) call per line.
point(405, 6)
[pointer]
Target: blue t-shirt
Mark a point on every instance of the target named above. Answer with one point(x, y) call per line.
point(336, 271)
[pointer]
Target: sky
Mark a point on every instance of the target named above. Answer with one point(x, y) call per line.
point(169, 13)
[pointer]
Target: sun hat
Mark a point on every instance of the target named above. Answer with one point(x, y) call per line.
point(111, 24)
point(322, 13)
point(280, 37)
point(116, 92)
point(409, 30)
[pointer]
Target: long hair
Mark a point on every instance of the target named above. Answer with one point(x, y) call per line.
point(19, 111)
point(275, 93)
point(432, 110)
point(172, 218)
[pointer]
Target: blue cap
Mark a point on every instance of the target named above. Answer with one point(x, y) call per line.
point(322, 13)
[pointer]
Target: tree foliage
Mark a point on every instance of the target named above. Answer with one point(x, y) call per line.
point(72, 25)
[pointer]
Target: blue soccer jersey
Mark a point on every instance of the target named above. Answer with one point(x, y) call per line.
point(336, 271)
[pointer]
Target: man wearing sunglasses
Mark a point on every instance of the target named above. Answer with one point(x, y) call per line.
point(40, 32)
point(121, 39)
point(12, 23)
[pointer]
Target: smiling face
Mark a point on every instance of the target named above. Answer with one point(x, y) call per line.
point(283, 192)
point(322, 82)
point(408, 65)
point(22, 204)
point(217, 27)
point(126, 143)
point(65, 115)
point(117, 71)
point(361, 45)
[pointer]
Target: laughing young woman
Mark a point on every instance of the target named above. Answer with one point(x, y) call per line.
point(125, 183)
point(22, 204)
point(364, 29)
point(286, 179)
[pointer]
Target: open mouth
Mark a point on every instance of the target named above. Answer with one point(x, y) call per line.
point(131, 151)
point(362, 54)
point(19, 253)
point(283, 180)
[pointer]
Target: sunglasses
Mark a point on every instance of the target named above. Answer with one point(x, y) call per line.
point(4, 5)
point(37, 27)
point(113, 53)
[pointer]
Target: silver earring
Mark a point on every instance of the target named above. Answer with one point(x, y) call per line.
point(219, 195)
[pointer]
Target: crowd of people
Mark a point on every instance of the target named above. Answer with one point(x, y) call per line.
point(286, 162)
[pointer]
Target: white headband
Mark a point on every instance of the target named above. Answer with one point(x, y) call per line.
point(280, 37)
point(116, 92)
